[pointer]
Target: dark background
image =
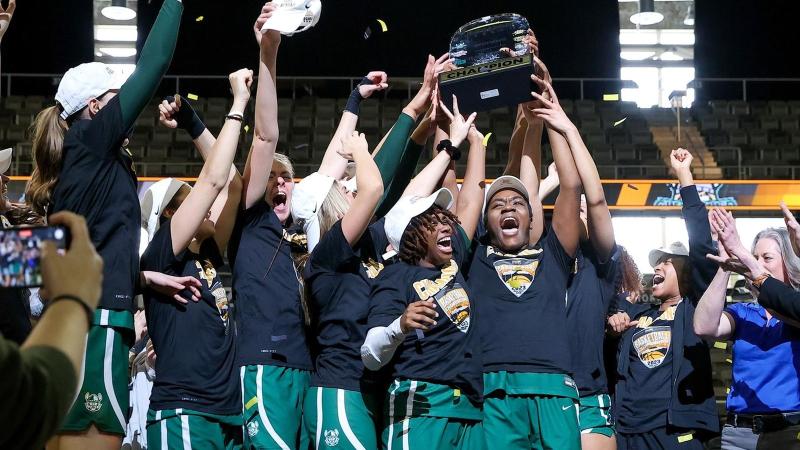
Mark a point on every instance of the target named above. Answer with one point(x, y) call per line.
point(735, 38)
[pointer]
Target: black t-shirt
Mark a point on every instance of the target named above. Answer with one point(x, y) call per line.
point(649, 372)
point(339, 278)
point(97, 181)
point(270, 323)
point(589, 296)
point(194, 343)
point(521, 300)
point(447, 354)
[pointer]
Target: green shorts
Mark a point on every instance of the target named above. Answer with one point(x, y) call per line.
point(185, 429)
point(272, 398)
point(103, 399)
point(530, 411)
point(595, 415)
point(431, 416)
point(341, 419)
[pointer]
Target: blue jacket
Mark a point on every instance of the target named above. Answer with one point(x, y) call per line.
point(692, 404)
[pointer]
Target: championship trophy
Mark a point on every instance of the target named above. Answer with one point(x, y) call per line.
point(484, 77)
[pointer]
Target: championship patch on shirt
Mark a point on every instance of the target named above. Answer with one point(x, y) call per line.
point(455, 304)
point(208, 273)
point(652, 345)
point(372, 267)
point(517, 274)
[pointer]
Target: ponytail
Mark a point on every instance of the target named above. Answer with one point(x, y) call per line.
point(48, 132)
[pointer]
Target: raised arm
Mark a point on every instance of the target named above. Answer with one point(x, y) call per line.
point(6, 14)
point(566, 218)
point(369, 184)
point(333, 164)
point(265, 135)
point(530, 160)
point(516, 144)
point(216, 173)
point(549, 184)
point(695, 216)
point(710, 319)
point(153, 63)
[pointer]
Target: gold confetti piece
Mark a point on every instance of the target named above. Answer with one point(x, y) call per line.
point(247, 128)
point(610, 97)
point(486, 139)
point(384, 27)
point(192, 97)
point(728, 391)
point(729, 361)
point(251, 402)
point(199, 19)
point(721, 345)
point(620, 121)
point(456, 392)
point(685, 438)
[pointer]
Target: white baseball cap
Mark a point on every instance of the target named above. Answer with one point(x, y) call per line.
point(398, 218)
point(674, 249)
point(5, 159)
point(307, 198)
point(293, 16)
point(85, 82)
point(154, 201)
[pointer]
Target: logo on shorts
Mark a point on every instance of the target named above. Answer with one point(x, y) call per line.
point(331, 438)
point(93, 402)
point(252, 428)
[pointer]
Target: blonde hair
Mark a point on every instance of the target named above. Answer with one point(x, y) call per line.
point(284, 160)
point(333, 208)
point(48, 132)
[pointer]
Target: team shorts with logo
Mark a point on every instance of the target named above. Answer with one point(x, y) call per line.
point(103, 399)
point(186, 429)
point(272, 398)
point(595, 415)
point(341, 419)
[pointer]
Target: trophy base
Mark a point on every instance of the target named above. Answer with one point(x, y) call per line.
point(503, 82)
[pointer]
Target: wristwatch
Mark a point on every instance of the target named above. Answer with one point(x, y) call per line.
point(447, 146)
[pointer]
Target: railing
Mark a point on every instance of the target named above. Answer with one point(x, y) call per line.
point(403, 87)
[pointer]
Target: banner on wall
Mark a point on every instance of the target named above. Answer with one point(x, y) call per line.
point(633, 195)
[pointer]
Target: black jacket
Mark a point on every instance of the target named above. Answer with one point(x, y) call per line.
point(692, 404)
point(781, 298)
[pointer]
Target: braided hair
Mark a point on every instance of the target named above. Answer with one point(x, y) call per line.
point(414, 244)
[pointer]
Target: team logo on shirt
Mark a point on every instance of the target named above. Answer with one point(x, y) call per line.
point(372, 267)
point(332, 438)
point(93, 402)
point(516, 273)
point(208, 273)
point(455, 304)
point(652, 345)
point(252, 428)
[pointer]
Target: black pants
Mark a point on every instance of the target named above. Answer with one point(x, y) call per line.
point(665, 438)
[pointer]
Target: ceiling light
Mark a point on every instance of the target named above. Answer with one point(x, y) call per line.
point(118, 52)
point(115, 33)
point(118, 11)
point(647, 14)
point(689, 20)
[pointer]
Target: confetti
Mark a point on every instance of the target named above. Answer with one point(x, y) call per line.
point(729, 361)
point(633, 187)
point(486, 139)
point(456, 392)
point(192, 97)
point(199, 19)
point(384, 27)
point(247, 128)
point(721, 345)
point(367, 33)
point(617, 123)
point(685, 438)
point(728, 391)
point(610, 97)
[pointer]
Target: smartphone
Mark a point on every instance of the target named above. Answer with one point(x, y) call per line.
point(21, 254)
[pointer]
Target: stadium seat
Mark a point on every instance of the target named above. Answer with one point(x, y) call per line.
point(770, 123)
point(728, 123)
point(585, 108)
point(739, 108)
point(790, 123)
point(719, 107)
point(737, 137)
point(778, 108)
point(759, 138)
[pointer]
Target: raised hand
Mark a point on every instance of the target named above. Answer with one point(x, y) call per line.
point(474, 136)
point(271, 38)
point(550, 111)
point(723, 224)
point(377, 81)
point(353, 145)
point(5, 16)
point(444, 64)
point(420, 103)
point(793, 227)
point(241, 80)
point(420, 315)
point(680, 159)
point(459, 127)
point(168, 112)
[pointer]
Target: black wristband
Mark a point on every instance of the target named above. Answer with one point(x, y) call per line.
point(447, 146)
point(188, 119)
point(238, 117)
point(354, 102)
point(86, 308)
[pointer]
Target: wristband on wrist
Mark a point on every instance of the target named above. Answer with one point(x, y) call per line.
point(447, 146)
point(758, 281)
point(86, 308)
point(188, 119)
point(234, 116)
